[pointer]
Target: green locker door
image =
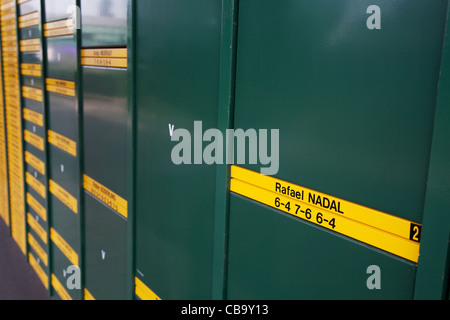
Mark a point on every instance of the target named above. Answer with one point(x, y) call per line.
point(13, 116)
point(105, 113)
point(35, 148)
point(64, 147)
point(177, 73)
point(351, 86)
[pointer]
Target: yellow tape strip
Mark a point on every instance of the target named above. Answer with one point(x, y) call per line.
point(59, 288)
point(105, 62)
point(36, 206)
point(38, 249)
point(62, 142)
point(37, 228)
point(60, 83)
point(35, 184)
point(39, 271)
point(65, 248)
point(66, 23)
point(353, 211)
point(104, 53)
point(88, 296)
point(34, 140)
point(61, 90)
point(33, 116)
point(144, 292)
point(105, 195)
point(29, 16)
point(64, 196)
point(65, 31)
point(35, 162)
point(332, 221)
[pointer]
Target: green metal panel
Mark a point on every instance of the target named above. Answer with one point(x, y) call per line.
point(62, 62)
point(104, 23)
point(62, 58)
point(105, 150)
point(355, 109)
point(434, 263)
point(177, 73)
point(59, 9)
point(273, 256)
point(225, 121)
point(37, 215)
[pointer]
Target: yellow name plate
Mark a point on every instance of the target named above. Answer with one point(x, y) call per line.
point(64, 196)
point(108, 58)
point(65, 248)
point(386, 232)
point(62, 142)
point(108, 197)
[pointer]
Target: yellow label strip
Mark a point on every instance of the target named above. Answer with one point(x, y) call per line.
point(59, 288)
point(38, 249)
point(31, 73)
point(63, 87)
point(31, 69)
point(61, 90)
point(353, 211)
point(65, 31)
point(104, 53)
point(37, 228)
point(30, 45)
point(88, 296)
point(39, 271)
point(106, 196)
point(332, 221)
point(36, 206)
point(34, 140)
point(60, 83)
point(30, 23)
point(35, 184)
point(31, 93)
point(144, 292)
point(66, 23)
point(62, 142)
point(65, 248)
point(35, 162)
point(105, 62)
point(64, 196)
point(33, 116)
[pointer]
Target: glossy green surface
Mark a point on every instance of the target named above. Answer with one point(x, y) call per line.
point(63, 118)
point(106, 251)
point(105, 161)
point(62, 58)
point(433, 272)
point(177, 72)
point(36, 82)
point(275, 256)
point(355, 107)
point(58, 9)
point(104, 23)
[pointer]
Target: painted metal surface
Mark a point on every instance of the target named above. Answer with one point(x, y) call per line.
point(105, 150)
point(64, 150)
point(434, 265)
point(35, 154)
point(177, 75)
point(356, 118)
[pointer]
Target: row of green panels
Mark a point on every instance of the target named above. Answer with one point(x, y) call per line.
point(145, 199)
